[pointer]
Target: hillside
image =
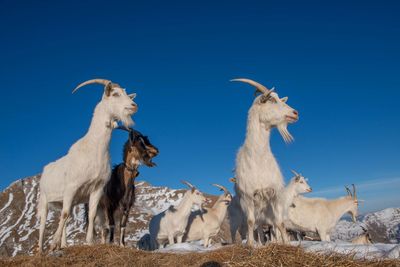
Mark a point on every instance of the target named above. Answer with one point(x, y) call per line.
point(19, 227)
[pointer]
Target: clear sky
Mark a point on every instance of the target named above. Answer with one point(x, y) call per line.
point(338, 61)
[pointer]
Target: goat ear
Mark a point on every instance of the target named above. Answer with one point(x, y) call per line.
point(284, 99)
point(297, 179)
point(108, 89)
point(132, 96)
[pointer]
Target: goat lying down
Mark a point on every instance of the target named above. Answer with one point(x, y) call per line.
point(206, 223)
point(363, 239)
point(321, 215)
point(119, 192)
point(171, 224)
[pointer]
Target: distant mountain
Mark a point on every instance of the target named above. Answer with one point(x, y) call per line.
point(19, 226)
point(383, 226)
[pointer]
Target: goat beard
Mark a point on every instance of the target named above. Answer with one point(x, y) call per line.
point(287, 137)
point(127, 121)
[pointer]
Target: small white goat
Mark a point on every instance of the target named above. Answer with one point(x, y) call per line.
point(205, 224)
point(321, 215)
point(277, 213)
point(171, 223)
point(80, 176)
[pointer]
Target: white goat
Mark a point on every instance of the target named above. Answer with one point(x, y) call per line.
point(256, 167)
point(171, 223)
point(205, 224)
point(321, 215)
point(277, 212)
point(80, 176)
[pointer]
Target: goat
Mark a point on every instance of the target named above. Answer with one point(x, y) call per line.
point(171, 223)
point(119, 192)
point(277, 212)
point(79, 176)
point(363, 239)
point(256, 167)
point(321, 215)
point(205, 224)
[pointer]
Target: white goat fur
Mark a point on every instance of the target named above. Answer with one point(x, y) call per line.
point(171, 223)
point(206, 224)
point(320, 215)
point(79, 176)
point(256, 167)
point(277, 213)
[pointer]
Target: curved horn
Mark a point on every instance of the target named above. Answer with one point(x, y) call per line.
point(261, 88)
point(188, 184)
point(99, 81)
point(295, 173)
point(348, 191)
point(223, 188)
point(354, 192)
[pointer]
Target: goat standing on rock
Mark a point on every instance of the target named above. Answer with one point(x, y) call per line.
point(256, 167)
point(119, 191)
point(80, 176)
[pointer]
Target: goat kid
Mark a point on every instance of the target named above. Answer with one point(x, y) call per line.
point(80, 175)
point(171, 223)
point(206, 223)
point(119, 192)
point(277, 212)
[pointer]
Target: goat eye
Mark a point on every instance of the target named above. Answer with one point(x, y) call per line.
point(301, 182)
point(116, 94)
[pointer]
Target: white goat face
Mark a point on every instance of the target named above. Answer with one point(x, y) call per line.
point(274, 112)
point(121, 105)
point(198, 198)
point(353, 211)
point(302, 186)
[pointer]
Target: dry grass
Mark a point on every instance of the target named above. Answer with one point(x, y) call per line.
point(272, 255)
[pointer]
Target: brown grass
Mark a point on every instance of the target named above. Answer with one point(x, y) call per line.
point(272, 255)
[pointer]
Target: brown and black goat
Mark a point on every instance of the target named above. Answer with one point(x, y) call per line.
point(119, 192)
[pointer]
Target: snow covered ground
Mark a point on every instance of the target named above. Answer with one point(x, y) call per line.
point(389, 251)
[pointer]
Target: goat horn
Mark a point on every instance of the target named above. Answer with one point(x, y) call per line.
point(354, 192)
point(261, 88)
point(348, 191)
point(188, 184)
point(99, 81)
point(295, 173)
point(223, 188)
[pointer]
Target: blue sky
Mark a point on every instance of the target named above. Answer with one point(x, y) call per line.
point(338, 61)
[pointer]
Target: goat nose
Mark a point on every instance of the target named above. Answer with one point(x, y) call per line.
point(295, 112)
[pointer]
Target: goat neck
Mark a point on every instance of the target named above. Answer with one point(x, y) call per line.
point(220, 208)
point(257, 135)
point(100, 129)
point(184, 207)
point(341, 206)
